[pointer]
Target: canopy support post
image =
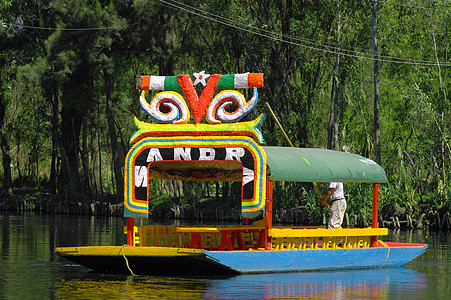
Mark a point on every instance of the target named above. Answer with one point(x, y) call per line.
point(130, 231)
point(375, 223)
point(268, 212)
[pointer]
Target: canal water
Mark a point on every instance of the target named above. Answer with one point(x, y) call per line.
point(30, 269)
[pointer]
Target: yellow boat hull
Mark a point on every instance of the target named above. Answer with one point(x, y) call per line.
point(145, 260)
point(185, 261)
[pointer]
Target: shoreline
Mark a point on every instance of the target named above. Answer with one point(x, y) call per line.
point(110, 205)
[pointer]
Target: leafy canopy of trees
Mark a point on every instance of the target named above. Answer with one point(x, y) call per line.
point(67, 87)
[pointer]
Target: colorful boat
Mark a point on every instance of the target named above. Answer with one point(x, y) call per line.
point(228, 150)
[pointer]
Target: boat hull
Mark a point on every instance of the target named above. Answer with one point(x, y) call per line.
point(316, 260)
point(183, 261)
point(145, 260)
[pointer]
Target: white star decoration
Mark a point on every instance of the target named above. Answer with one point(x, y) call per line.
point(200, 77)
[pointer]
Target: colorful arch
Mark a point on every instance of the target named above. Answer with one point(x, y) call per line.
point(148, 150)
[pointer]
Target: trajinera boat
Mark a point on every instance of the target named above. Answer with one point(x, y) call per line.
point(225, 149)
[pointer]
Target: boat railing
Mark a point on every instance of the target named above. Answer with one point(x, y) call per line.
point(252, 237)
point(294, 239)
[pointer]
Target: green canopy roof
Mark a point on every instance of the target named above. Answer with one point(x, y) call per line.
point(321, 165)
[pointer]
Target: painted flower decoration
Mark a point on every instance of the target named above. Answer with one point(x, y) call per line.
point(200, 77)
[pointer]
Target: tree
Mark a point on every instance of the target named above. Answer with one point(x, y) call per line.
point(87, 50)
point(332, 137)
point(377, 133)
point(5, 78)
point(18, 48)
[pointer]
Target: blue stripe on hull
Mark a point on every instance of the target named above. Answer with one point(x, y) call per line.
point(311, 260)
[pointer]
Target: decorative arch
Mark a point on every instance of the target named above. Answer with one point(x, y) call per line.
point(150, 150)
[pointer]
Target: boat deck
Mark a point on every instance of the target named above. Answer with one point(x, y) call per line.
point(220, 238)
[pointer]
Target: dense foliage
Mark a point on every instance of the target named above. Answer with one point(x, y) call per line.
point(67, 89)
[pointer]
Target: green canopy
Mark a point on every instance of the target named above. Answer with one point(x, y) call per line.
point(321, 165)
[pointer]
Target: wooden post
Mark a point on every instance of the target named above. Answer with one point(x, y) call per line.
point(269, 188)
point(130, 231)
point(375, 212)
point(278, 124)
point(321, 195)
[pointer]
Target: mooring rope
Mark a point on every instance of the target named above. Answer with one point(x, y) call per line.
point(126, 260)
point(382, 243)
point(388, 252)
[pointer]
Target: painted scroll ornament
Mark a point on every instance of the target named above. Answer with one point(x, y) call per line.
point(178, 109)
point(217, 110)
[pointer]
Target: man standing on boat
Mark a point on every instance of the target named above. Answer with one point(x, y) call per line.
point(338, 204)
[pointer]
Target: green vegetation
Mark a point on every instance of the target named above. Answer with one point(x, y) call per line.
point(67, 90)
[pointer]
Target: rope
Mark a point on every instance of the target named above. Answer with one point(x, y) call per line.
point(126, 260)
point(388, 252)
point(382, 243)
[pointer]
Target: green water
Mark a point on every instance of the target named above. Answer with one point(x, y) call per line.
point(29, 269)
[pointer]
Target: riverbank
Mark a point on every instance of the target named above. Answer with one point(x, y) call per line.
point(39, 201)
point(112, 205)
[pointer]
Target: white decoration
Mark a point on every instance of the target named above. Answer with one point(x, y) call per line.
point(207, 153)
point(248, 175)
point(200, 77)
point(216, 112)
point(241, 81)
point(141, 176)
point(178, 109)
point(157, 82)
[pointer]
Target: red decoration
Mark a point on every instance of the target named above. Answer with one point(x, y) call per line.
point(198, 105)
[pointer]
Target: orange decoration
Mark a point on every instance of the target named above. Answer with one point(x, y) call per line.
point(255, 80)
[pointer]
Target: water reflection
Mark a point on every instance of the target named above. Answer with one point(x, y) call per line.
point(350, 284)
point(377, 283)
point(130, 288)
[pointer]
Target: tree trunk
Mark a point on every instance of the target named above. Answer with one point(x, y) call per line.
point(18, 166)
point(71, 121)
point(77, 98)
point(7, 180)
point(113, 136)
point(166, 61)
point(84, 158)
point(442, 101)
point(100, 152)
point(6, 161)
point(313, 83)
point(93, 159)
point(332, 133)
point(35, 158)
point(53, 166)
point(377, 132)
point(286, 10)
point(287, 71)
